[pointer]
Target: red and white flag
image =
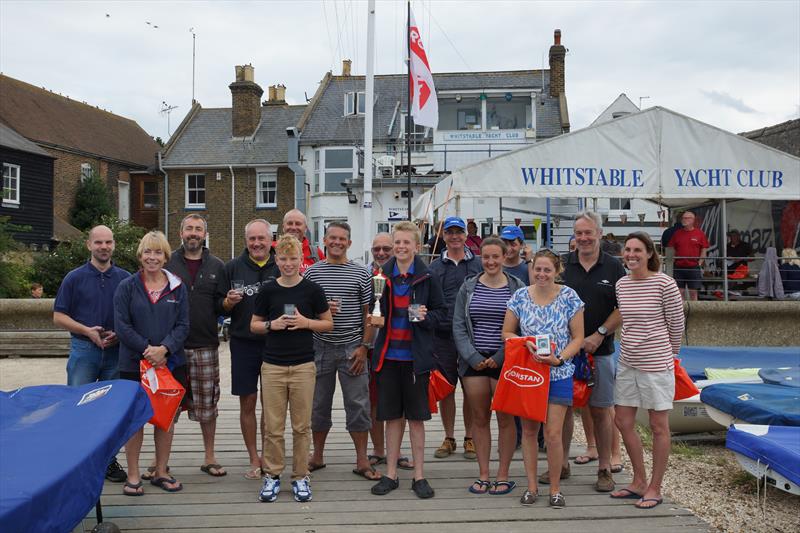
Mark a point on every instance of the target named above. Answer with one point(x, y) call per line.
point(424, 105)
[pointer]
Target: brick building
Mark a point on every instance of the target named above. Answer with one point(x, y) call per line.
point(231, 164)
point(84, 139)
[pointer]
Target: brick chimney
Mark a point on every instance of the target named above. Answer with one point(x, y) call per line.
point(246, 97)
point(346, 64)
point(557, 54)
point(277, 95)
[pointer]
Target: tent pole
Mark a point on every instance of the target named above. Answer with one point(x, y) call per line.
point(724, 236)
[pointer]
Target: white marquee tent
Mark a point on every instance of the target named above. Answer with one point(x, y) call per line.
point(655, 154)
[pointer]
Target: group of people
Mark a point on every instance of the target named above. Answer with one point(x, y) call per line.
point(300, 319)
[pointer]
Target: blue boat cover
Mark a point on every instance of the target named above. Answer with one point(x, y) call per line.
point(755, 403)
point(55, 444)
point(786, 376)
point(695, 359)
point(776, 446)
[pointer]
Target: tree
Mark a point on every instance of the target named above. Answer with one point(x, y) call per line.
point(92, 202)
point(52, 267)
point(13, 273)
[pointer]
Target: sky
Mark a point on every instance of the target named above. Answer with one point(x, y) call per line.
point(734, 64)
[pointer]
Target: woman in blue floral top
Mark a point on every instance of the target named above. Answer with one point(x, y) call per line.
point(547, 308)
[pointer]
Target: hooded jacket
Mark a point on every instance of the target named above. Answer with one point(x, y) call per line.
point(205, 296)
point(463, 334)
point(425, 290)
point(451, 276)
point(139, 322)
point(243, 268)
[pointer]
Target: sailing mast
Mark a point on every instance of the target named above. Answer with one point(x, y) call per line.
point(408, 107)
point(368, 119)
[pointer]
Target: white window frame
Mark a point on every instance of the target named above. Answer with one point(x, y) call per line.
point(86, 171)
point(17, 179)
point(320, 175)
point(270, 176)
point(417, 137)
point(619, 202)
point(195, 205)
point(354, 101)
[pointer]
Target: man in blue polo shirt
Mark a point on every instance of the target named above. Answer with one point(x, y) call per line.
point(85, 307)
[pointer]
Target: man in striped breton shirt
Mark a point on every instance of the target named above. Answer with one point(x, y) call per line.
point(343, 351)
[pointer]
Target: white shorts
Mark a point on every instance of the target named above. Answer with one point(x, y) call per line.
point(648, 390)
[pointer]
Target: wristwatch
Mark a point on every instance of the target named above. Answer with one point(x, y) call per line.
point(560, 360)
point(602, 330)
point(366, 345)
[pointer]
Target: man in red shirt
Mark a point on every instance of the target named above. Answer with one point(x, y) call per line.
point(690, 246)
point(295, 223)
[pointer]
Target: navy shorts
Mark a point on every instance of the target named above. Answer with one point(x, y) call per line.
point(246, 359)
point(690, 278)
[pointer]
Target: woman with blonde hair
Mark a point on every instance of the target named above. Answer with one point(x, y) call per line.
point(151, 319)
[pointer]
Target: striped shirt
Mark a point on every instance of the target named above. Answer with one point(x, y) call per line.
point(487, 309)
point(352, 284)
point(400, 329)
point(652, 322)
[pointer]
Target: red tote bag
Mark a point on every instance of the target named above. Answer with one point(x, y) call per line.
point(524, 383)
point(438, 389)
point(684, 386)
point(164, 391)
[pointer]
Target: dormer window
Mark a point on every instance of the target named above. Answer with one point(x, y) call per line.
point(355, 103)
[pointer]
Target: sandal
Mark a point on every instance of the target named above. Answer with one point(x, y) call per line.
point(376, 459)
point(315, 466)
point(161, 483)
point(254, 473)
point(479, 486)
point(586, 458)
point(502, 487)
point(368, 473)
point(150, 473)
point(137, 487)
point(616, 468)
point(214, 470)
point(404, 464)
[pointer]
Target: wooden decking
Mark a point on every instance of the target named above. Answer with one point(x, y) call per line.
point(342, 501)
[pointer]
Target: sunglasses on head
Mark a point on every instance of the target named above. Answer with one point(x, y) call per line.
point(377, 249)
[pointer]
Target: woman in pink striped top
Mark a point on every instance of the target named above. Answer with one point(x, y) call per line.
point(652, 327)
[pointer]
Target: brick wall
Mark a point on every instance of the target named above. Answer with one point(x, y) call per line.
point(218, 205)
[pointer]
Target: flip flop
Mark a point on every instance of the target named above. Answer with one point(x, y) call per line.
point(253, 473)
point(363, 472)
point(214, 470)
point(658, 501)
point(584, 459)
point(316, 466)
point(404, 464)
point(134, 486)
point(376, 459)
point(482, 486)
point(508, 486)
point(616, 468)
point(150, 473)
point(629, 495)
point(161, 483)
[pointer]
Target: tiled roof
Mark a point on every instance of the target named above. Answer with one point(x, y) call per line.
point(326, 123)
point(49, 118)
point(784, 136)
point(206, 139)
point(11, 139)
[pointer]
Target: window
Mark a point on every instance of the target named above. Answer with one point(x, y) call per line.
point(10, 183)
point(355, 103)
point(620, 204)
point(418, 134)
point(86, 171)
point(149, 197)
point(507, 112)
point(383, 227)
point(267, 189)
point(332, 166)
point(196, 191)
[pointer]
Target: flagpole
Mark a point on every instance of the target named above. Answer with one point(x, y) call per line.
point(368, 121)
point(408, 108)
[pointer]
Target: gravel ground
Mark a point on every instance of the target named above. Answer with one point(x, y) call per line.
point(704, 478)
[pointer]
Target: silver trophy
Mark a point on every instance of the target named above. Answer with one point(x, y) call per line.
point(378, 285)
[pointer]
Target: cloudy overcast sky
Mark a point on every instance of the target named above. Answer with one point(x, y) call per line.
point(735, 65)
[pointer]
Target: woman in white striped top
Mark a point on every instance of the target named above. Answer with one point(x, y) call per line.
point(652, 326)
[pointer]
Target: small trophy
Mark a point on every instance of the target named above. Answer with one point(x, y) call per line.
point(378, 285)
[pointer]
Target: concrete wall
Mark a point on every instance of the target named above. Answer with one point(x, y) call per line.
point(27, 329)
point(749, 323)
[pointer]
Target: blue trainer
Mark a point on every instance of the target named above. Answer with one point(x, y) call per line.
point(270, 489)
point(301, 489)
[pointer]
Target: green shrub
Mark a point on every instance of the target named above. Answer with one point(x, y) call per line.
point(92, 203)
point(14, 271)
point(51, 267)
